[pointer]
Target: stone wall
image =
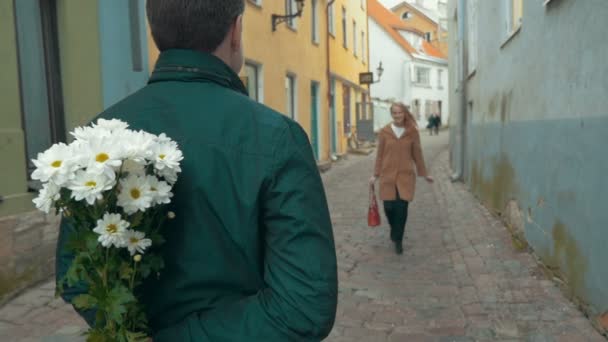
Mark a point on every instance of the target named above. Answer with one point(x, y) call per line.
point(27, 251)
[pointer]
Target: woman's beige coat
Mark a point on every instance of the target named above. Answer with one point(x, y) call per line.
point(395, 163)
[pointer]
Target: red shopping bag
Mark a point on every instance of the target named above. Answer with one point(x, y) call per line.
point(373, 215)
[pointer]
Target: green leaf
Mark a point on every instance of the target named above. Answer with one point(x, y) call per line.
point(117, 301)
point(125, 271)
point(136, 219)
point(84, 301)
point(72, 276)
point(92, 243)
point(99, 336)
point(136, 336)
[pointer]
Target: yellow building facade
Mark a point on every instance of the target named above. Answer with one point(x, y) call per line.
point(349, 56)
point(288, 68)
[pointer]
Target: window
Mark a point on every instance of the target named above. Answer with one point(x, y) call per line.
point(344, 37)
point(427, 36)
point(440, 78)
point(346, 106)
point(137, 61)
point(514, 11)
point(471, 45)
point(330, 15)
point(363, 51)
point(362, 4)
point(315, 21)
point(42, 112)
point(407, 15)
point(416, 108)
point(423, 76)
point(355, 38)
point(291, 8)
point(290, 92)
point(253, 81)
point(256, 2)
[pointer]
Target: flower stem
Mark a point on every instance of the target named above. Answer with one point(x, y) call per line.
point(132, 281)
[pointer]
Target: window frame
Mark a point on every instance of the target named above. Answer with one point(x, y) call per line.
point(344, 28)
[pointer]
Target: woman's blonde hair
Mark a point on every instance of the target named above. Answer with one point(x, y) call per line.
point(409, 117)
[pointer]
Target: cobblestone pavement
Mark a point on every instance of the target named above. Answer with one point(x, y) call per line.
point(458, 280)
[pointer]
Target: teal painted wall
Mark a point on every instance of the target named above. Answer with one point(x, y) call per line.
point(537, 130)
point(119, 58)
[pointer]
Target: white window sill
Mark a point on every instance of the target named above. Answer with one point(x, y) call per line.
point(421, 85)
point(511, 36)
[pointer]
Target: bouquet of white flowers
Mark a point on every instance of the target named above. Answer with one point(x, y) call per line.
point(113, 184)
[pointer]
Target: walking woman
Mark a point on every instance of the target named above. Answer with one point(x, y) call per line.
point(398, 162)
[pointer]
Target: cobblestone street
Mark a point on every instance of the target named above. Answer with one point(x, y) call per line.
point(459, 279)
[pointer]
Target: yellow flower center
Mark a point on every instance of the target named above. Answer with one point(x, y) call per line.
point(111, 228)
point(102, 157)
point(91, 184)
point(162, 156)
point(135, 193)
point(133, 240)
point(153, 188)
point(56, 163)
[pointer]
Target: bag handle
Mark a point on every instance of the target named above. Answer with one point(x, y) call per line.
point(372, 196)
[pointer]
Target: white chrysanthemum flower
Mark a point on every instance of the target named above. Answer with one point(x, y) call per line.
point(170, 175)
point(47, 197)
point(111, 125)
point(132, 167)
point(55, 164)
point(111, 230)
point(136, 242)
point(104, 155)
point(137, 146)
point(135, 194)
point(164, 139)
point(161, 190)
point(87, 133)
point(167, 155)
point(90, 186)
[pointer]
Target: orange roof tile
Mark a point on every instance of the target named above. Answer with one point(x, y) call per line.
point(389, 22)
point(432, 51)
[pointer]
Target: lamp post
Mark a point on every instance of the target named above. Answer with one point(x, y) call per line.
point(277, 19)
point(380, 71)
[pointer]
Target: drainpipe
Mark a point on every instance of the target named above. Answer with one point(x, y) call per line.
point(329, 94)
point(462, 74)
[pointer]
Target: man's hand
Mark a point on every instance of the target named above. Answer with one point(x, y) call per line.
point(429, 179)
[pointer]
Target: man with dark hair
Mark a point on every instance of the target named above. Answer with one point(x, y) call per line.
point(250, 255)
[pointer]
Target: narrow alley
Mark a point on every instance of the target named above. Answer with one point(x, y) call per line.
point(459, 279)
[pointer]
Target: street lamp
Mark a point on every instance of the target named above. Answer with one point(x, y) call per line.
point(368, 77)
point(277, 19)
point(380, 70)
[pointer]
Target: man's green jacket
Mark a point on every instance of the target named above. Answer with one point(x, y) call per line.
point(250, 255)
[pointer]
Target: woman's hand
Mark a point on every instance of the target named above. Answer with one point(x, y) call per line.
point(372, 180)
point(429, 179)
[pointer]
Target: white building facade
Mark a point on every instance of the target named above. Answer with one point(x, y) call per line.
point(410, 76)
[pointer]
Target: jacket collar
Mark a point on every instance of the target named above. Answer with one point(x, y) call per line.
point(388, 129)
point(194, 66)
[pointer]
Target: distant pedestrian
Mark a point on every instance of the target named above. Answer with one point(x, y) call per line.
point(399, 151)
point(431, 122)
point(437, 123)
